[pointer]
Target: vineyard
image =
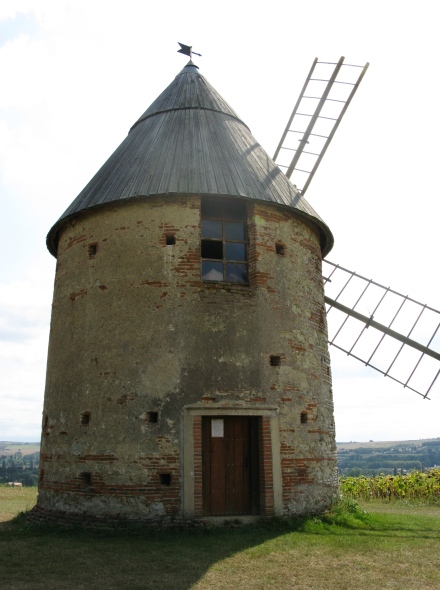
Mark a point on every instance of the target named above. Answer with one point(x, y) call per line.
point(414, 486)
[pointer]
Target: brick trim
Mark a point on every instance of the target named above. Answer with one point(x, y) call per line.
point(266, 467)
point(198, 466)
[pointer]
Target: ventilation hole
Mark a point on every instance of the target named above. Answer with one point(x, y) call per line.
point(280, 249)
point(152, 417)
point(85, 418)
point(304, 417)
point(92, 250)
point(86, 478)
point(165, 479)
point(170, 240)
point(275, 361)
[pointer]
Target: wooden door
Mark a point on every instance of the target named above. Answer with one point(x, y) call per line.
point(230, 465)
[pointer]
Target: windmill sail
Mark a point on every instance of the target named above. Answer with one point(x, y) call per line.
point(323, 101)
point(390, 332)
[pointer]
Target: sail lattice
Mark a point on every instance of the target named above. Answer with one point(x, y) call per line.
point(390, 332)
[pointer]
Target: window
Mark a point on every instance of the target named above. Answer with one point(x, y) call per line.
point(224, 241)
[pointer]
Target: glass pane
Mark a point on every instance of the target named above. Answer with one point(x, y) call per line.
point(212, 271)
point(234, 231)
point(211, 229)
point(236, 273)
point(234, 210)
point(234, 251)
point(213, 249)
point(211, 208)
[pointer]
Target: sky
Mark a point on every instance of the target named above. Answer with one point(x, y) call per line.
point(75, 75)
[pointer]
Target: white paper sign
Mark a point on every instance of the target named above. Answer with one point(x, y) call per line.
point(217, 428)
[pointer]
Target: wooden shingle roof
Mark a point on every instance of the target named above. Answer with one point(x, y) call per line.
point(190, 142)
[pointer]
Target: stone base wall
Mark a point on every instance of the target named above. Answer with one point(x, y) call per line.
point(44, 516)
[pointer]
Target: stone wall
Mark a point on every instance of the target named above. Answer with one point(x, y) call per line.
point(136, 337)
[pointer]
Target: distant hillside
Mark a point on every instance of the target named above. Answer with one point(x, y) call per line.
point(10, 448)
point(390, 457)
point(374, 444)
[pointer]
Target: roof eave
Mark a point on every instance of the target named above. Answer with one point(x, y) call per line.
point(326, 236)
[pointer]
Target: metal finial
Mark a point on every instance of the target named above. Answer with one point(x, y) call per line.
point(187, 50)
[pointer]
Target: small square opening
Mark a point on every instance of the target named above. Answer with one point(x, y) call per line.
point(152, 417)
point(275, 360)
point(170, 240)
point(304, 418)
point(92, 249)
point(280, 249)
point(165, 479)
point(85, 418)
point(86, 478)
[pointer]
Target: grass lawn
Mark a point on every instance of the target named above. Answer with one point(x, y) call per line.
point(391, 546)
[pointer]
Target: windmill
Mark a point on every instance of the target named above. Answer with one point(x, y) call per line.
point(188, 333)
point(390, 332)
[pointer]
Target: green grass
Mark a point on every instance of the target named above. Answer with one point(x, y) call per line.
point(15, 500)
point(390, 546)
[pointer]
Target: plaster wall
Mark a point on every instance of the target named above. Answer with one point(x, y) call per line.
point(134, 330)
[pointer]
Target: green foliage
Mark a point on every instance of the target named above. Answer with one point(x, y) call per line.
point(20, 468)
point(414, 486)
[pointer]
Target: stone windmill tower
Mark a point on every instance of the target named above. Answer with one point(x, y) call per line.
point(188, 371)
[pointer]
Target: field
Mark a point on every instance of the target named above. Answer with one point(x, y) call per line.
point(9, 448)
point(392, 458)
point(394, 545)
point(374, 445)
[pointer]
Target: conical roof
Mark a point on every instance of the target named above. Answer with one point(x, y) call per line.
point(190, 142)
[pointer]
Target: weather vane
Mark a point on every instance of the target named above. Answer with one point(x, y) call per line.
point(187, 50)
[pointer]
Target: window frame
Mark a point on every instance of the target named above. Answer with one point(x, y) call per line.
point(226, 217)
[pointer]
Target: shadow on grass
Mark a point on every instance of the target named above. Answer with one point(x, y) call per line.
point(34, 557)
point(37, 557)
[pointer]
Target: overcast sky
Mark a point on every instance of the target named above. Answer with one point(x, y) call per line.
point(74, 76)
